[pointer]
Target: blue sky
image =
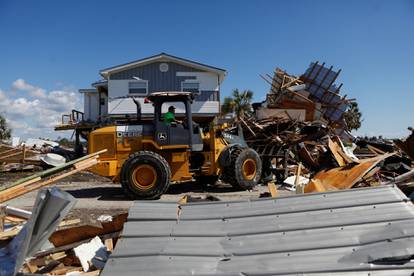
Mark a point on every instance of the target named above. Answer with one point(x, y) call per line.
point(49, 49)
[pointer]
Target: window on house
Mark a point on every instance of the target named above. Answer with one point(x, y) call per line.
point(138, 87)
point(190, 87)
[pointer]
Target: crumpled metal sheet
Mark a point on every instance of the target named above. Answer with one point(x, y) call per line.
point(347, 232)
point(51, 206)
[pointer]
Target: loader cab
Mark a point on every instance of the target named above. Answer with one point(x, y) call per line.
point(187, 133)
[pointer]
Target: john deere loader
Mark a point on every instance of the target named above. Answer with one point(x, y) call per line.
point(147, 156)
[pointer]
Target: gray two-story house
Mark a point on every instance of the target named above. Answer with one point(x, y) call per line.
point(111, 96)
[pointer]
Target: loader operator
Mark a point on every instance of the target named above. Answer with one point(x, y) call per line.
point(169, 117)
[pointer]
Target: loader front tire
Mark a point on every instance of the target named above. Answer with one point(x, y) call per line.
point(244, 170)
point(145, 175)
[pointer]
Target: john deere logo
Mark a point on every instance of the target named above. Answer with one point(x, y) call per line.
point(162, 136)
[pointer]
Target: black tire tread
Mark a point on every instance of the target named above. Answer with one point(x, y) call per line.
point(230, 173)
point(124, 183)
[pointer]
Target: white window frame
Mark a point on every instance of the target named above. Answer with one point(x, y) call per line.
point(138, 81)
point(191, 81)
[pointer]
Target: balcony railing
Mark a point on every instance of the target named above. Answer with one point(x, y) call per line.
point(73, 118)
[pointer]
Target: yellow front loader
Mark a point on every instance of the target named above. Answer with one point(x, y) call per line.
point(146, 157)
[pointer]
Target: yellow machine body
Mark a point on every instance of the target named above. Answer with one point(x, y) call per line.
point(119, 148)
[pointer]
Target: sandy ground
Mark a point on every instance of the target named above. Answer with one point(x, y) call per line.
point(96, 195)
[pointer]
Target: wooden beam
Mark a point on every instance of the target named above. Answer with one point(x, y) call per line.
point(24, 188)
point(272, 189)
point(54, 170)
point(299, 186)
point(334, 150)
point(2, 217)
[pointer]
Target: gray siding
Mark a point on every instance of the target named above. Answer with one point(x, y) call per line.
point(344, 232)
point(157, 80)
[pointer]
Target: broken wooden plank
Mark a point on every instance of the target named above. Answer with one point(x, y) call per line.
point(74, 234)
point(2, 217)
point(272, 189)
point(10, 233)
point(57, 256)
point(69, 222)
point(54, 170)
point(407, 145)
point(298, 185)
point(109, 244)
point(28, 186)
point(113, 235)
point(183, 200)
point(375, 150)
point(32, 266)
point(305, 155)
point(316, 186)
point(335, 148)
point(347, 177)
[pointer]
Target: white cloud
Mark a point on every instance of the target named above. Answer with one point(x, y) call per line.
point(36, 114)
point(34, 91)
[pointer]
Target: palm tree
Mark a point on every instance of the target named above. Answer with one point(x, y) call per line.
point(239, 104)
point(353, 117)
point(5, 131)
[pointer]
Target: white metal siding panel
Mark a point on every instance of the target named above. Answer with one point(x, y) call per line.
point(91, 106)
point(86, 106)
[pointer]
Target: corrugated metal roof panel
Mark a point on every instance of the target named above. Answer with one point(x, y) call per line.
point(320, 233)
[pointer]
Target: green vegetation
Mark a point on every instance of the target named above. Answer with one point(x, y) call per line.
point(239, 104)
point(5, 130)
point(353, 117)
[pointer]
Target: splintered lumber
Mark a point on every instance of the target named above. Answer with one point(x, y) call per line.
point(298, 185)
point(32, 183)
point(75, 234)
point(272, 189)
point(24, 188)
point(9, 154)
point(346, 177)
point(407, 145)
point(109, 244)
point(335, 152)
point(306, 156)
point(2, 217)
point(69, 222)
point(54, 170)
point(10, 233)
point(316, 186)
point(70, 246)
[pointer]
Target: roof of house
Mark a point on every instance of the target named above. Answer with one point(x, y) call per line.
point(102, 82)
point(88, 90)
point(161, 57)
point(346, 232)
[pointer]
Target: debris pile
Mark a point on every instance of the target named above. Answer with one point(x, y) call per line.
point(313, 96)
point(42, 242)
point(302, 122)
point(18, 158)
point(47, 177)
point(34, 154)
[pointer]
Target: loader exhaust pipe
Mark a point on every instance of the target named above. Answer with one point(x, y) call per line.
point(138, 109)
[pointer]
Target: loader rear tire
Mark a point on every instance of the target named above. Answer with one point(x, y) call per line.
point(244, 170)
point(145, 175)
